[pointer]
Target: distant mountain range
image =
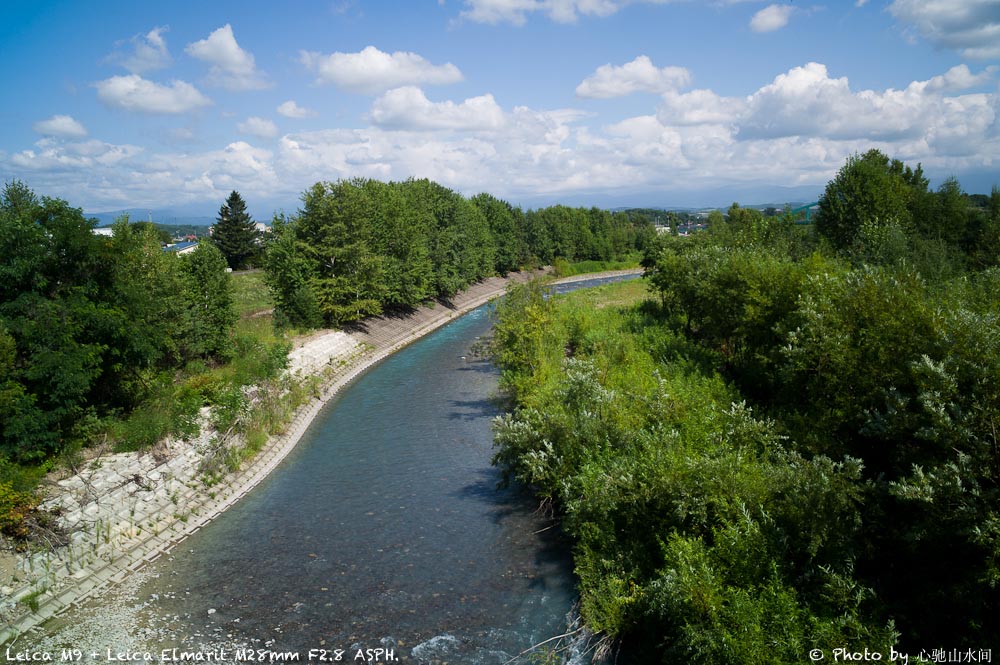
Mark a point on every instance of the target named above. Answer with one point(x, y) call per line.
point(168, 217)
point(691, 200)
point(681, 201)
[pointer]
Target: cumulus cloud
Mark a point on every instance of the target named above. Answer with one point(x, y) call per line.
point(372, 71)
point(60, 156)
point(102, 176)
point(134, 93)
point(971, 27)
point(290, 109)
point(260, 127)
point(409, 108)
point(535, 153)
point(771, 18)
point(959, 77)
point(640, 75)
point(699, 107)
point(926, 119)
point(60, 125)
point(232, 67)
point(806, 101)
point(561, 11)
point(148, 52)
point(795, 129)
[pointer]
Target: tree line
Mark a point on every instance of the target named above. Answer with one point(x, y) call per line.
point(359, 247)
point(87, 322)
point(792, 445)
point(101, 332)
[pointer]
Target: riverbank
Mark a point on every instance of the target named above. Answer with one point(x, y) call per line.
point(123, 511)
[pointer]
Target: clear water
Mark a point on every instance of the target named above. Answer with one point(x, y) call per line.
point(383, 528)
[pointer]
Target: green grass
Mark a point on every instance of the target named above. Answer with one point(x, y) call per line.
point(250, 293)
point(566, 269)
point(619, 293)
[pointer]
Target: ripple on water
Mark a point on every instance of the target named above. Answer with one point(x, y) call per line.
point(385, 520)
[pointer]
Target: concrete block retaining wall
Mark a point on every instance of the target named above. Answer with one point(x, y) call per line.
point(126, 510)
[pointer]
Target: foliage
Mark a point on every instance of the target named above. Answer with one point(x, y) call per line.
point(765, 459)
point(564, 268)
point(699, 533)
point(208, 302)
point(235, 233)
point(15, 509)
point(869, 187)
point(92, 327)
point(359, 247)
point(251, 295)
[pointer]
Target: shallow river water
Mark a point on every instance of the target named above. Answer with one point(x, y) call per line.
point(383, 529)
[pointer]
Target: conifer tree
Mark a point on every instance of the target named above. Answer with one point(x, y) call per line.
point(235, 233)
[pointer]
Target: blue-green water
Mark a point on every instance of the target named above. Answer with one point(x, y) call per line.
point(383, 528)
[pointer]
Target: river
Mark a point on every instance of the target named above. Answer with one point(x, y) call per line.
point(383, 529)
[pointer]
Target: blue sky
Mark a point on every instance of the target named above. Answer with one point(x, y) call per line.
point(115, 105)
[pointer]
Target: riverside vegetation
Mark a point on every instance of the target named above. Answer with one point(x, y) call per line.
point(789, 442)
point(112, 341)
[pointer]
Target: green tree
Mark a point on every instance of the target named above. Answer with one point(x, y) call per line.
point(334, 228)
point(869, 188)
point(507, 227)
point(49, 278)
point(208, 302)
point(287, 273)
point(235, 233)
point(144, 325)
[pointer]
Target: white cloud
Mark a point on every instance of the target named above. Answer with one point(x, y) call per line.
point(102, 176)
point(290, 109)
point(232, 67)
point(561, 11)
point(182, 135)
point(957, 78)
point(59, 156)
point(771, 18)
point(260, 127)
point(372, 71)
point(796, 129)
point(134, 93)
point(640, 75)
point(409, 108)
point(805, 101)
point(500, 11)
point(971, 27)
point(699, 107)
point(60, 125)
point(149, 52)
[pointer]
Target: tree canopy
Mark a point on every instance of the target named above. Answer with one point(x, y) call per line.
point(358, 247)
point(87, 320)
point(792, 444)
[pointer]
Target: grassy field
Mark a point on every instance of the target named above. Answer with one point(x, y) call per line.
point(617, 293)
point(250, 293)
point(565, 269)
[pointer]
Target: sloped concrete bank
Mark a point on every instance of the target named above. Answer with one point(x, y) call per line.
point(125, 510)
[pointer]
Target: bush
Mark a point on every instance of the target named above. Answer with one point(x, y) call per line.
point(15, 508)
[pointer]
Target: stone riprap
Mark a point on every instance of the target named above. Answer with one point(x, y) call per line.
point(123, 510)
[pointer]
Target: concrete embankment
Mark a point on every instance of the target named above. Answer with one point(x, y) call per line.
point(124, 510)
